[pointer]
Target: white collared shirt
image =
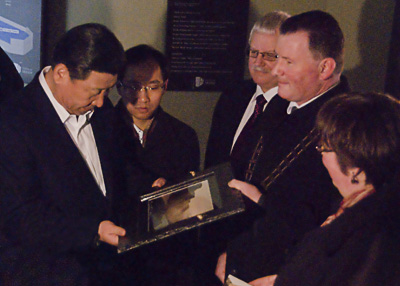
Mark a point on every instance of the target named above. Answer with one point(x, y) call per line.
point(293, 104)
point(268, 95)
point(81, 132)
point(140, 133)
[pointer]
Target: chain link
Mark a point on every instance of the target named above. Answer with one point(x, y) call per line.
point(284, 164)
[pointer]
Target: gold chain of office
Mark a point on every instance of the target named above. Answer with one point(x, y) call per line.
point(284, 164)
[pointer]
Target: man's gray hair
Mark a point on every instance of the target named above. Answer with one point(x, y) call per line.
point(269, 23)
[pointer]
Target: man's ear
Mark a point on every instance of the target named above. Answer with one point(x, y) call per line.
point(326, 68)
point(165, 85)
point(60, 73)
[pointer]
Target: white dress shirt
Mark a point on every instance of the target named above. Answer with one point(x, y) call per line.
point(81, 133)
point(140, 133)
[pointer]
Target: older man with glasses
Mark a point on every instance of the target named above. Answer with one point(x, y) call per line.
point(234, 125)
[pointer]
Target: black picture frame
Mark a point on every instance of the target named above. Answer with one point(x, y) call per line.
point(200, 200)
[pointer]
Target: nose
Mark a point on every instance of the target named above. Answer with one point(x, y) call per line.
point(259, 61)
point(99, 101)
point(277, 69)
point(142, 95)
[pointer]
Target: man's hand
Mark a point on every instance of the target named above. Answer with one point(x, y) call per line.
point(247, 189)
point(110, 233)
point(264, 281)
point(220, 269)
point(159, 183)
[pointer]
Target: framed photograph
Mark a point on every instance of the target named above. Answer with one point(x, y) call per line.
point(199, 200)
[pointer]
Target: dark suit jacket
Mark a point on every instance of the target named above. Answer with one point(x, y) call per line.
point(10, 80)
point(50, 204)
point(171, 150)
point(226, 118)
point(298, 201)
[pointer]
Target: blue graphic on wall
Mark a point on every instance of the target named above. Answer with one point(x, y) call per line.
point(20, 34)
point(15, 38)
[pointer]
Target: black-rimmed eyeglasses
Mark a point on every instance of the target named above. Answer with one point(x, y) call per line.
point(137, 87)
point(321, 148)
point(266, 56)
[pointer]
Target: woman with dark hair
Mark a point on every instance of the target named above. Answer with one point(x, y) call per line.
point(359, 244)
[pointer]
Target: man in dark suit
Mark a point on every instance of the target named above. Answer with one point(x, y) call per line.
point(231, 136)
point(10, 80)
point(300, 195)
point(163, 145)
point(235, 130)
point(58, 167)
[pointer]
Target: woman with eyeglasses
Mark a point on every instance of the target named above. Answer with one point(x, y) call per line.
point(360, 243)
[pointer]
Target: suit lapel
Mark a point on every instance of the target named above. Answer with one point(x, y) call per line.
point(243, 99)
point(103, 137)
point(159, 131)
point(273, 117)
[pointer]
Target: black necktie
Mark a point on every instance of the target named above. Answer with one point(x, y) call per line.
point(241, 140)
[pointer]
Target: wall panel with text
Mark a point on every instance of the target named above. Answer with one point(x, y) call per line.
point(206, 41)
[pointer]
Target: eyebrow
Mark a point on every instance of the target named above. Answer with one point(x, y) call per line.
point(285, 58)
point(269, 51)
point(98, 90)
point(155, 81)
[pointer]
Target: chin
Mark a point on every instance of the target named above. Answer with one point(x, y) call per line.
point(143, 117)
point(286, 92)
point(81, 112)
point(284, 95)
point(262, 79)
